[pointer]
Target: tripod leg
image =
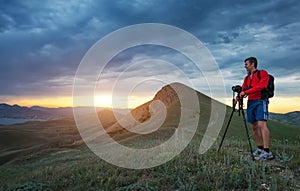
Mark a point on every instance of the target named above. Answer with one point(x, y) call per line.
point(233, 108)
point(247, 132)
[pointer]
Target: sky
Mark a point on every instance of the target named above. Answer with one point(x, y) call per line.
point(42, 44)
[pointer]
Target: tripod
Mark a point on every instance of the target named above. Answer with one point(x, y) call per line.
point(240, 109)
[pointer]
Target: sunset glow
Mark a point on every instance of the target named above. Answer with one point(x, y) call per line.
point(103, 101)
point(277, 104)
point(106, 100)
point(42, 101)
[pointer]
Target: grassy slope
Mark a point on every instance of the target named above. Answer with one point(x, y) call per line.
point(79, 169)
point(57, 167)
point(22, 139)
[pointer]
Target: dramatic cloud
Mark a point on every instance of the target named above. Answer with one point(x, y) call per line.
point(42, 43)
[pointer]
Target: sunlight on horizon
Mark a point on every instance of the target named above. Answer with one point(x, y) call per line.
point(103, 101)
point(277, 104)
point(63, 101)
point(106, 100)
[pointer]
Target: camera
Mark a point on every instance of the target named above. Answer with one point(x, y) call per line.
point(237, 88)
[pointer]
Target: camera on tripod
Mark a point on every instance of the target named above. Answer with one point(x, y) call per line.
point(237, 88)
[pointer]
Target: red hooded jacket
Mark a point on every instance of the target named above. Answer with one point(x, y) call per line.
point(256, 84)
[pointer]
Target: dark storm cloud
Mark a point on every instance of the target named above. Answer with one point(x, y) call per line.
point(42, 43)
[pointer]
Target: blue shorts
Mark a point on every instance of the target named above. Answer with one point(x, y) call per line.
point(257, 110)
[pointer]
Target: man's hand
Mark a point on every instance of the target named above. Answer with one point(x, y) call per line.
point(243, 94)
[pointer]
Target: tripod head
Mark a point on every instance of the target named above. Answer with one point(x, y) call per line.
point(237, 99)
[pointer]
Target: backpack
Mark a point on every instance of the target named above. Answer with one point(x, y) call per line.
point(269, 91)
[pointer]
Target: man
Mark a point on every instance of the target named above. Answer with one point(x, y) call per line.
point(257, 107)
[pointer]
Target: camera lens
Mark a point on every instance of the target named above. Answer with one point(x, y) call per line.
point(237, 88)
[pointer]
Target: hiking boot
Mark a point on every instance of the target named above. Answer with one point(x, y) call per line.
point(257, 152)
point(265, 156)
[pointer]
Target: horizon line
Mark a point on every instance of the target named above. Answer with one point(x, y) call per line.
point(105, 107)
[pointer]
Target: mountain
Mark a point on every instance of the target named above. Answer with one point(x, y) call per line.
point(142, 113)
point(38, 112)
point(158, 118)
point(10, 114)
point(60, 112)
point(291, 118)
point(19, 112)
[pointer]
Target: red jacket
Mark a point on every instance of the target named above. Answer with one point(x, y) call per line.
point(256, 84)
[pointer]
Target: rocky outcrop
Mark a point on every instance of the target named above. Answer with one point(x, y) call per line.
point(167, 95)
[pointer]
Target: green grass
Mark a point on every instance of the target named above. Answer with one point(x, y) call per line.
point(232, 168)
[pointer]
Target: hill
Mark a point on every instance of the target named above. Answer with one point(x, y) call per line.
point(291, 118)
point(22, 139)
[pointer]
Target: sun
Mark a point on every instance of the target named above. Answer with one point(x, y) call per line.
point(103, 101)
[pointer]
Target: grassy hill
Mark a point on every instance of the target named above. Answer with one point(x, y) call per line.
point(291, 118)
point(80, 169)
point(20, 140)
point(51, 156)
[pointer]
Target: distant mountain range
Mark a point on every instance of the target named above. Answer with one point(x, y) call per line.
point(36, 112)
point(291, 118)
point(10, 114)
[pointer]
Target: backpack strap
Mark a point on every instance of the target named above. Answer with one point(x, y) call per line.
point(258, 75)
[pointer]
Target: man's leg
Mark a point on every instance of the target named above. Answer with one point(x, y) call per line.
point(265, 133)
point(267, 154)
point(256, 133)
